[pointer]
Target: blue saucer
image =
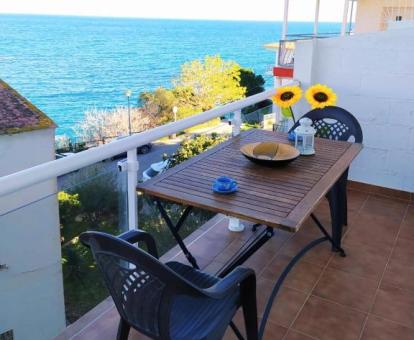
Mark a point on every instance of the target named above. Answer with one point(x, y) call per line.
point(233, 189)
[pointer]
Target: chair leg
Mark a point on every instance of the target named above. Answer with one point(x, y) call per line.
point(123, 330)
point(248, 300)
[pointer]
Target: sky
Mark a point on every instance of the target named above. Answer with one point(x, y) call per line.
point(269, 10)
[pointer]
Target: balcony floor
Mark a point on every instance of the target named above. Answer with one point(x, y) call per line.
point(367, 295)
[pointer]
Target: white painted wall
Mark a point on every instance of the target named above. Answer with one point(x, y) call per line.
point(31, 290)
point(373, 75)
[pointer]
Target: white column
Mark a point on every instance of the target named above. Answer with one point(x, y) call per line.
point(133, 166)
point(345, 17)
point(234, 223)
point(285, 20)
point(316, 22)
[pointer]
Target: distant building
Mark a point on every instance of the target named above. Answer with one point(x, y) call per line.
point(380, 15)
point(31, 288)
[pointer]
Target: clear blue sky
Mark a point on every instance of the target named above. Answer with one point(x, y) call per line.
point(300, 10)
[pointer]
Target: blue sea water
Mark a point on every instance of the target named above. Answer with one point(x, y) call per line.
point(66, 65)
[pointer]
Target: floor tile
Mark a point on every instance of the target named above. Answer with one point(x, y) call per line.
point(403, 252)
point(86, 319)
point(407, 230)
point(105, 328)
point(229, 251)
point(286, 305)
point(239, 323)
point(302, 277)
point(347, 289)
point(409, 217)
point(387, 207)
point(294, 335)
point(329, 321)
point(400, 270)
point(380, 329)
point(363, 260)
point(274, 331)
point(318, 255)
point(399, 275)
point(395, 304)
point(356, 199)
point(277, 241)
point(208, 248)
point(373, 229)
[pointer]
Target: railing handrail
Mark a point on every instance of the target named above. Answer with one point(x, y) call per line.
point(52, 169)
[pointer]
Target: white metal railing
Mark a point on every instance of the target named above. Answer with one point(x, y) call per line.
point(52, 169)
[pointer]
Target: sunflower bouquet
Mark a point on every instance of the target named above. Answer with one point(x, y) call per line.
point(318, 96)
point(285, 97)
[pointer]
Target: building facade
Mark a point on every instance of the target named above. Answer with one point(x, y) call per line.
point(31, 288)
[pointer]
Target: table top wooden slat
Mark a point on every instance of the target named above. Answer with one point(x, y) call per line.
point(279, 197)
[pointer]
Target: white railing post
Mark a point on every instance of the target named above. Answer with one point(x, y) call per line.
point(234, 223)
point(285, 20)
point(132, 179)
point(316, 21)
point(236, 123)
point(345, 17)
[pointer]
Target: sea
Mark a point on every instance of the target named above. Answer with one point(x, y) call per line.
point(68, 65)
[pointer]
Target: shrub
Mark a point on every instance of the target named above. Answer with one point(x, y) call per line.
point(193, 147)
point(69, 208)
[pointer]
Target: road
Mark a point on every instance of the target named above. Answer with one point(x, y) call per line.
point(155, 155)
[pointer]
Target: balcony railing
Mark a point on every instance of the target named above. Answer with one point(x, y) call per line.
point(286, 52)
point(53, 169)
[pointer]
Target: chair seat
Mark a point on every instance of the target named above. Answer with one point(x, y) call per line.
point(200, 318)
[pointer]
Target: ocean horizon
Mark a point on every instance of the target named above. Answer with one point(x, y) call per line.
point(66, 65)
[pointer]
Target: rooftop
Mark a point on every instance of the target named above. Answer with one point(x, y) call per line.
point(367, 295)
point(17, 114)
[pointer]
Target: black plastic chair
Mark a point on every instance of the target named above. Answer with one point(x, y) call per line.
point(172, 300)
point(336, 123)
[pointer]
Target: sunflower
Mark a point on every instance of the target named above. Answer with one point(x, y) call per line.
point(320, 96)
point(287, 96)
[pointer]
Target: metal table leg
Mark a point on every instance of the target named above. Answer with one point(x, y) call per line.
point(335, 246)
point(176, 228)
point(248, 250)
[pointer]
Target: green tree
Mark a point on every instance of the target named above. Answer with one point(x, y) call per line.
point(159, 104)
point(209, 83)
point(254, 84)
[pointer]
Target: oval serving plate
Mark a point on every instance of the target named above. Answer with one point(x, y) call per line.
point(270, 153)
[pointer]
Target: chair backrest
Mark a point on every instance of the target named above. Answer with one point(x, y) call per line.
point(335, 123)
point(141, 286)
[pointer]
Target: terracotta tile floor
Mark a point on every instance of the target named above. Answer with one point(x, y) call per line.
point(367, 295)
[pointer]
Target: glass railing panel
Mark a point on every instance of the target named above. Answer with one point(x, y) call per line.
point(91, 198)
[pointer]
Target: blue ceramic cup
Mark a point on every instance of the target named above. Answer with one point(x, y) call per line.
point(224, 183)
